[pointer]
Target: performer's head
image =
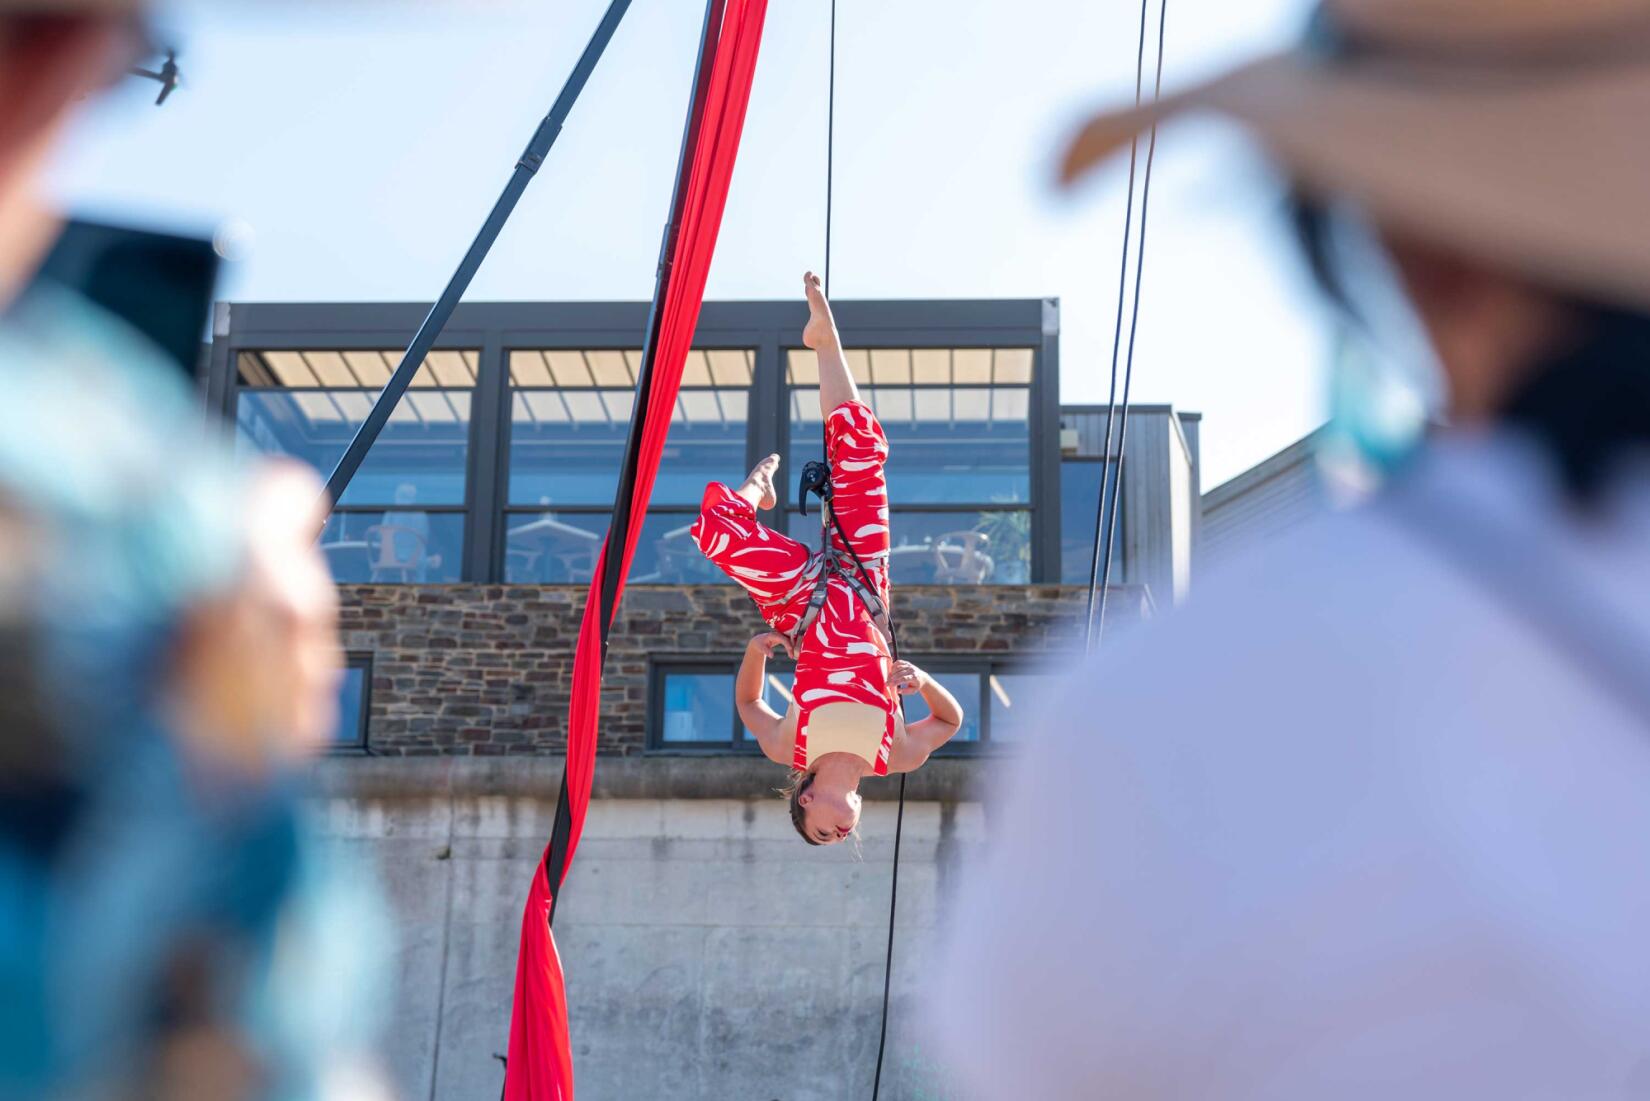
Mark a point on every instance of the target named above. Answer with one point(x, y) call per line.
point(824, 811)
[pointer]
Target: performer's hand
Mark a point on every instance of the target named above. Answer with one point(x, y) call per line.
point(907, 678)
point(772, 642)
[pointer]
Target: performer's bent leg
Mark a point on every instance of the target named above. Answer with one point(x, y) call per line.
point(775, 569)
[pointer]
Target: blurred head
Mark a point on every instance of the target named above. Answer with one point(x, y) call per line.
point(255, 681)
point(406, 493)
point(1571, 372)
point(1486, 328)
point(1491, 153)
point(822, 812)
point(50, 60)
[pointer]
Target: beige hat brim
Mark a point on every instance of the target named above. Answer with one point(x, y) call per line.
point(1543, 173)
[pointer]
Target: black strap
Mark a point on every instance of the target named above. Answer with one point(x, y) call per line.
point(554, 865)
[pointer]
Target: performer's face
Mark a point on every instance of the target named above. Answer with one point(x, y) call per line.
point(829, 816)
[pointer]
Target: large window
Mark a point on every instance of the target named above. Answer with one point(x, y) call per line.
point(692, 703)
point(1080, 490)
point(403, 517)
point(569, 418)
point(1014, 698)
point(959, 470)
point(354, 704)
point(501, 461)
point(692, 706)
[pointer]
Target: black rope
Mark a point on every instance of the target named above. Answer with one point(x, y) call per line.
point(1100, 542)
point(899, 818)
point(893, 903)
point(830, 150)
point(1105, 517)
point(893, 635)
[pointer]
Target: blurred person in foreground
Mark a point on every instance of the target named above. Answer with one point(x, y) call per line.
point(1372, 817)
point(167, 653)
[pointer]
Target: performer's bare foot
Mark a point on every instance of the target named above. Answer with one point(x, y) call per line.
point(820, 332)
point(758, 486)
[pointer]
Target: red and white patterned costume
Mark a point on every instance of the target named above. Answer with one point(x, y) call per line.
point(844, 657)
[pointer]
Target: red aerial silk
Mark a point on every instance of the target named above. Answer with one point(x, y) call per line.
point(540, 1066)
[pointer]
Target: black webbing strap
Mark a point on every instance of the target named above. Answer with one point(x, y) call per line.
point(618, 531)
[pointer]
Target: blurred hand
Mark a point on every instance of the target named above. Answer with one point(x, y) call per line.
point(258, 667)
point(906, 678)
point(773, 642)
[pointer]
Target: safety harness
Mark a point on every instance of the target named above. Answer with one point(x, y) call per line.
point(816, 479)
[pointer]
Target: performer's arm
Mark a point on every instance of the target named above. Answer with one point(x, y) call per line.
point(925, 735)
point(760, 719)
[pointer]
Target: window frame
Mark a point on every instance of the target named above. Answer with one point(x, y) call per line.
point(1117, 479)
point(739, 744)
point(361, 746)
point(770, 328)
point(1038, 504)
point(506, 430)
point(743, 745)
point(227, 387)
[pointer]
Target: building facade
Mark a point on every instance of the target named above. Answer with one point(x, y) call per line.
point(1263, 502)
point(709, 952)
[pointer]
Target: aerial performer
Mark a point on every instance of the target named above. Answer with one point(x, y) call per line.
point(828, 611)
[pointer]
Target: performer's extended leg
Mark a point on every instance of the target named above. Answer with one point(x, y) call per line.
point(854, 440)
point(836, 382)
point(775, 569)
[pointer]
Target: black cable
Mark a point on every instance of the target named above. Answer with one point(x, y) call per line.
point(1105, 521)
point(893, 636)
point(899, 819)
point(830, 150)
point(893, 902)
point(1116, 349)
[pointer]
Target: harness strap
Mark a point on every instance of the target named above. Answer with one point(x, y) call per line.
point(833, 567)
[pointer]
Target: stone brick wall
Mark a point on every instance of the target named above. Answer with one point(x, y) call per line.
point(486, 670)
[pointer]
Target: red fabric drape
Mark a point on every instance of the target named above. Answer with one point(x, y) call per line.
point(540, 1064)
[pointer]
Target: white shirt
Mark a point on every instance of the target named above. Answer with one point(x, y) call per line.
point(1346, 827)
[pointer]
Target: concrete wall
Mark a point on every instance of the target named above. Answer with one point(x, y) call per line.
point(709, 953)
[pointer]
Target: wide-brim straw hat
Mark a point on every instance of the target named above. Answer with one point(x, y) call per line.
point(1515, 132)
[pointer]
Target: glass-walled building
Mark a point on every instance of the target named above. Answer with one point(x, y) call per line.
point(463, 545)
point(501, 462)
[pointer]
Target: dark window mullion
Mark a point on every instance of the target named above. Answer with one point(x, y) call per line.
point(985, 703)
point(390, 506)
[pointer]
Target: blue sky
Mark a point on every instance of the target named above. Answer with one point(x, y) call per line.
point(361, 144)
